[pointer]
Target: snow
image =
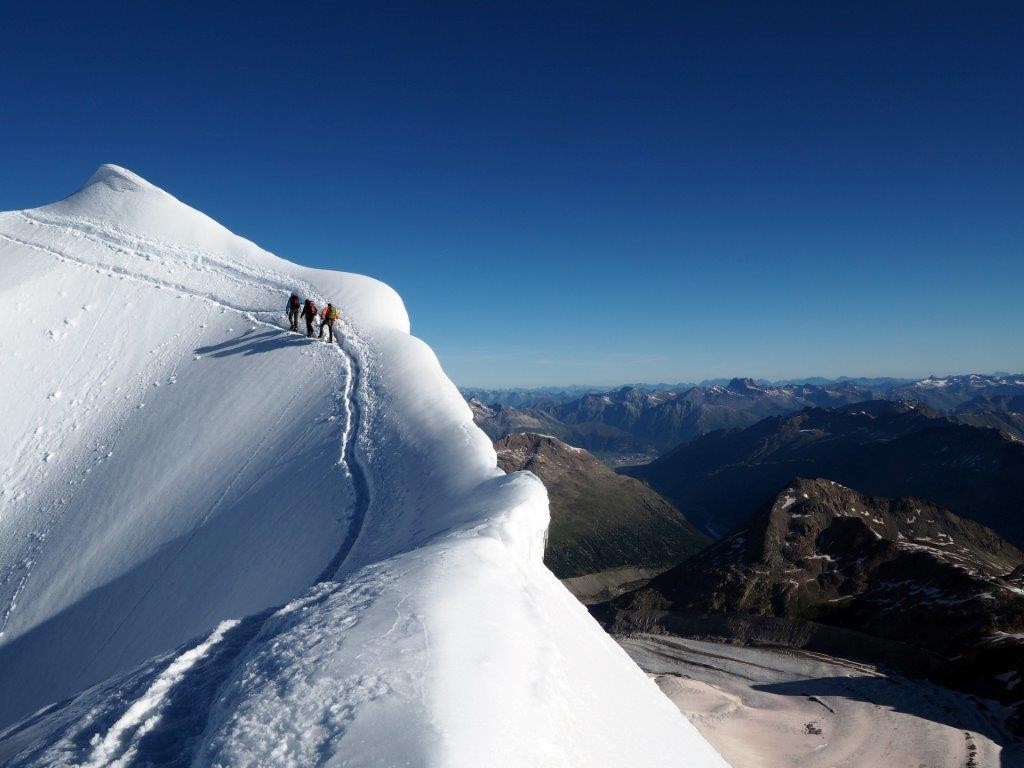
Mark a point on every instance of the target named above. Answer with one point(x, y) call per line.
point(121, 743)
point(789, 707)
point(365, 584)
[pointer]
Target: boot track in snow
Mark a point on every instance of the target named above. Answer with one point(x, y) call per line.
point(351, 461)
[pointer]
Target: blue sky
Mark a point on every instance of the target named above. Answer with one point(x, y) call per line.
point(587, 193)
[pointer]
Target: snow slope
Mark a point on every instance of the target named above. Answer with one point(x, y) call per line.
point(223, 544)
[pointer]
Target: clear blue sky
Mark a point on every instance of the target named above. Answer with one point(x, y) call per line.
point(596, 193)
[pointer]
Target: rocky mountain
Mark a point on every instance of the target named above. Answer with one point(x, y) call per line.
point(1002, 412)
point(885, 448)
point(948, 393)
point(651, 421)
point(499, 420)
point(904, 571)
point(601, 522)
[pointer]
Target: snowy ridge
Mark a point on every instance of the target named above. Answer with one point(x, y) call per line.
point(179, 468)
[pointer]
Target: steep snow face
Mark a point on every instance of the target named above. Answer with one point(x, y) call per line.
point(259, 549)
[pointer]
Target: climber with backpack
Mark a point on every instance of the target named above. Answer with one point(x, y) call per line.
point(309, 314)
point(330, 316)
point(292, 308)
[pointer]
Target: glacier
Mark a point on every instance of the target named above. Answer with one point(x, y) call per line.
point(224, 544)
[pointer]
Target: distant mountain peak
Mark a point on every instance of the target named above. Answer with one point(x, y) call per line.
point(743, 385)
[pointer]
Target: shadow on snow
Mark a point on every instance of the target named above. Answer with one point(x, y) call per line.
point(251, 343)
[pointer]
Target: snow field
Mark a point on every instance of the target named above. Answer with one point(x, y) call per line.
point(180, 467)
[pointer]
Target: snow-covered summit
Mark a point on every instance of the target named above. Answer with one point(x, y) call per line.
point(225, 544)
point(116, 177)
point(126, 200)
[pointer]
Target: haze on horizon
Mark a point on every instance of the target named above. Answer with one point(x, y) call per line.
point(724, 380)
point(588, 193)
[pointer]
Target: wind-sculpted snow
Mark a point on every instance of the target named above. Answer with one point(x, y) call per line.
point(262, 550)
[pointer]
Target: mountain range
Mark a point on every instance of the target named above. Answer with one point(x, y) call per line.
point(636, 423)
point(949, 393)
point(882, 447)
point(632, 420)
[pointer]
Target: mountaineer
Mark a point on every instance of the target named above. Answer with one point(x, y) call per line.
point(309, 313)
point(330, 315)
point(292, 308)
